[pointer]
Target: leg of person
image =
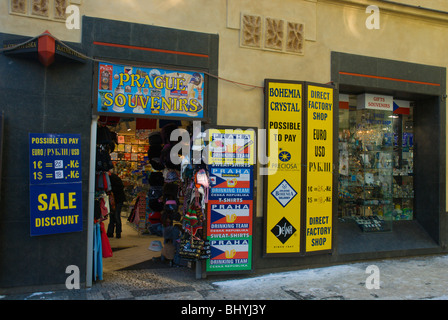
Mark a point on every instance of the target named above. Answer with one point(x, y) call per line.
point(118, 207)
point(112, 223)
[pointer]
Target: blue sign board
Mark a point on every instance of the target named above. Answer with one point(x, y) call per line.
point(55, 183)
point(55, 208)
point(55, 158)
point(137, 90)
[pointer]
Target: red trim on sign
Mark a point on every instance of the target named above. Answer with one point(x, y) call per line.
point(149, 49)
point(387, 78)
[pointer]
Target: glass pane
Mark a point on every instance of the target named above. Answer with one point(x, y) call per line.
point(366, 150)
point(403, 187)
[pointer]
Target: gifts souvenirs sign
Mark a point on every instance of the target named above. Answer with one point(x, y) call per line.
point(135, 90)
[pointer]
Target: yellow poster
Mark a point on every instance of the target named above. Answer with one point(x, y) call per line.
point(283, 183)
point(231, 146)
point(319, 202)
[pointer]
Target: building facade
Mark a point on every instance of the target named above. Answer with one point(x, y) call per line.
point(383, 66)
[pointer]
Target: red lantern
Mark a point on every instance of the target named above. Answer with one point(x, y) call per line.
point(46, 49)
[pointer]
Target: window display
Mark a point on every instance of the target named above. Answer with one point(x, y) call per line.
point(375, 166)
point(130, 148)
point(403, 170)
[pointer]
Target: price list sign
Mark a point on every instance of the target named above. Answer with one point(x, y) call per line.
point(55, 183)
point(230, 205)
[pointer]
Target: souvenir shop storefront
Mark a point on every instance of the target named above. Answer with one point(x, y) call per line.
point(78, 144)
point(346, 174)
point(341, 181)
point(373, 169)
point(188, 184)
point(82, 97)
point(391, 142)
point(186, 180)
point(169, 188)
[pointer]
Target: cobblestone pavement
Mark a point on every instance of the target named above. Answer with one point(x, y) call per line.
point(418, 278)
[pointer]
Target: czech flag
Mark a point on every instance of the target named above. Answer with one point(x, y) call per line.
point(401, 107)
point(230, 249)
point(231, 213)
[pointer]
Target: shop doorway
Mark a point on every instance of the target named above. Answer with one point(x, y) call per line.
point(138, 195)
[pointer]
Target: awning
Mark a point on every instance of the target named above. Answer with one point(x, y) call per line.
point(45, 48)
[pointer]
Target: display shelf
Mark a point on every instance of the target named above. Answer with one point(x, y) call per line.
point(376, 164)
point(365, 186)
point(130, 148)
point(373, 224)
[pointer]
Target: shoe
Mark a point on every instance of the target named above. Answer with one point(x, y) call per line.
point(110, 235)
point(118, 236)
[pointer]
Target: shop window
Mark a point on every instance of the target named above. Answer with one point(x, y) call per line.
point(44, 9)
point(375, 164)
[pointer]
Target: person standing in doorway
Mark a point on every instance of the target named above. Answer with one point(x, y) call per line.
point(115, 211)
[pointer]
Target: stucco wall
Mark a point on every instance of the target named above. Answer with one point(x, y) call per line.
point(406, 33)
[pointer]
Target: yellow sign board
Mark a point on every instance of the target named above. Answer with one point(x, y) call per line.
point(319, 189)
point(283, 103)
point(231, 146)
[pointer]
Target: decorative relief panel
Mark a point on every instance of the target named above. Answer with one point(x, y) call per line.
point(294, 37)
point(274, 34)
point(279, 35)
point(251, 31)
point(40, 8)
point(59, 9)
point(18, 6)
point(43, 9)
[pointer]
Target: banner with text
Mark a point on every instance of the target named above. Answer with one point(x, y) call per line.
point(319, 188)
point(283, 105)
point(299, 117)
point(135, 90)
